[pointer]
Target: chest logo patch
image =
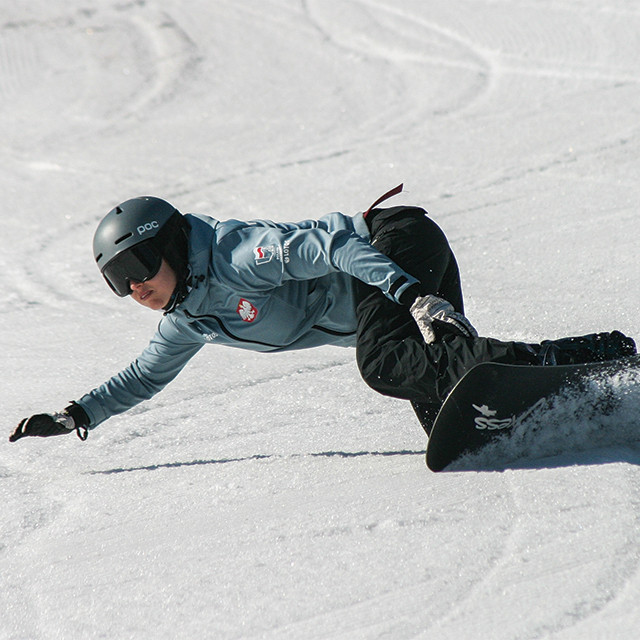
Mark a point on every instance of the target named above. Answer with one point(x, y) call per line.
point(246, 310)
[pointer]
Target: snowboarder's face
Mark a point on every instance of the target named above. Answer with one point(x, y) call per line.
point(156, 292)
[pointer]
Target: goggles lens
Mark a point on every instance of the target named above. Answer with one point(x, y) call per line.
point(138, 264)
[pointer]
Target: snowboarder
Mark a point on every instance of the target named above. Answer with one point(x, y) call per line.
point(385, 281)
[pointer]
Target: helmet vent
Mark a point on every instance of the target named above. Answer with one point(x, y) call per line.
point(118, 209)
point(99, 256)
point(124, 237)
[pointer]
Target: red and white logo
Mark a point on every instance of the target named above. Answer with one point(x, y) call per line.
point(264, 254)
point(246, 310)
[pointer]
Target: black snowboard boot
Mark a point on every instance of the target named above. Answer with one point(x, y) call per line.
point(594, 347)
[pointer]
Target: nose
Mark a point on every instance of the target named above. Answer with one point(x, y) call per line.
point(133, 285)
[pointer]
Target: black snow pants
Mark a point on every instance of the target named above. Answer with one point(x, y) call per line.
point(392, 355)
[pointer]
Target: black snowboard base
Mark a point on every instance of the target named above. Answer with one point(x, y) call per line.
point(492, 398)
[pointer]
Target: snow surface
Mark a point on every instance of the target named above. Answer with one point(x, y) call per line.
point(276, 496)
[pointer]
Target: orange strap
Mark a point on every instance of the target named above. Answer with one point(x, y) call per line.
point(394, 192)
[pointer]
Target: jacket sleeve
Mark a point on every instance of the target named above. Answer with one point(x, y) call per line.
point(265, 257)
point(161, 361)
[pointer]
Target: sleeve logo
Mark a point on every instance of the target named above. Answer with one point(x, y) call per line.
point(264, 254)
point(246, 310)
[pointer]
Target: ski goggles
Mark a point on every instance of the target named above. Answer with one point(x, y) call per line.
point(137, 264)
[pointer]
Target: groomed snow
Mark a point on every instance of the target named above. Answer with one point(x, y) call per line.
point(276, 496)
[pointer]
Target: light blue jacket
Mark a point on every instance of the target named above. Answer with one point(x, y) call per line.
point(257, 285)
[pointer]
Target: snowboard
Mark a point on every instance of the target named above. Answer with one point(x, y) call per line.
point(491, 399)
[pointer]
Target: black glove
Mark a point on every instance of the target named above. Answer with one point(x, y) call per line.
point(47, 424)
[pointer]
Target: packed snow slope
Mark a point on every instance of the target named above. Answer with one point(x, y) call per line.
point(276, 496)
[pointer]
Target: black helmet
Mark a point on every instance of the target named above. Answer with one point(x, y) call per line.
point(132, 239)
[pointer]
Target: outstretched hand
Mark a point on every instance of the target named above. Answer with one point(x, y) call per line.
point(43, 425)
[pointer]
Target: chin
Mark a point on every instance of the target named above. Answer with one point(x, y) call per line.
point(151, 303)
point(157, 305)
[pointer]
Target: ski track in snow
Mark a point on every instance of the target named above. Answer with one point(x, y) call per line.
point(275, 496)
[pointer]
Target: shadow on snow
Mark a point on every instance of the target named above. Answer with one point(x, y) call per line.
point(321, 454)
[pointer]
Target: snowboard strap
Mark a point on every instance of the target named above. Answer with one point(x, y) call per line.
point(393, 192)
